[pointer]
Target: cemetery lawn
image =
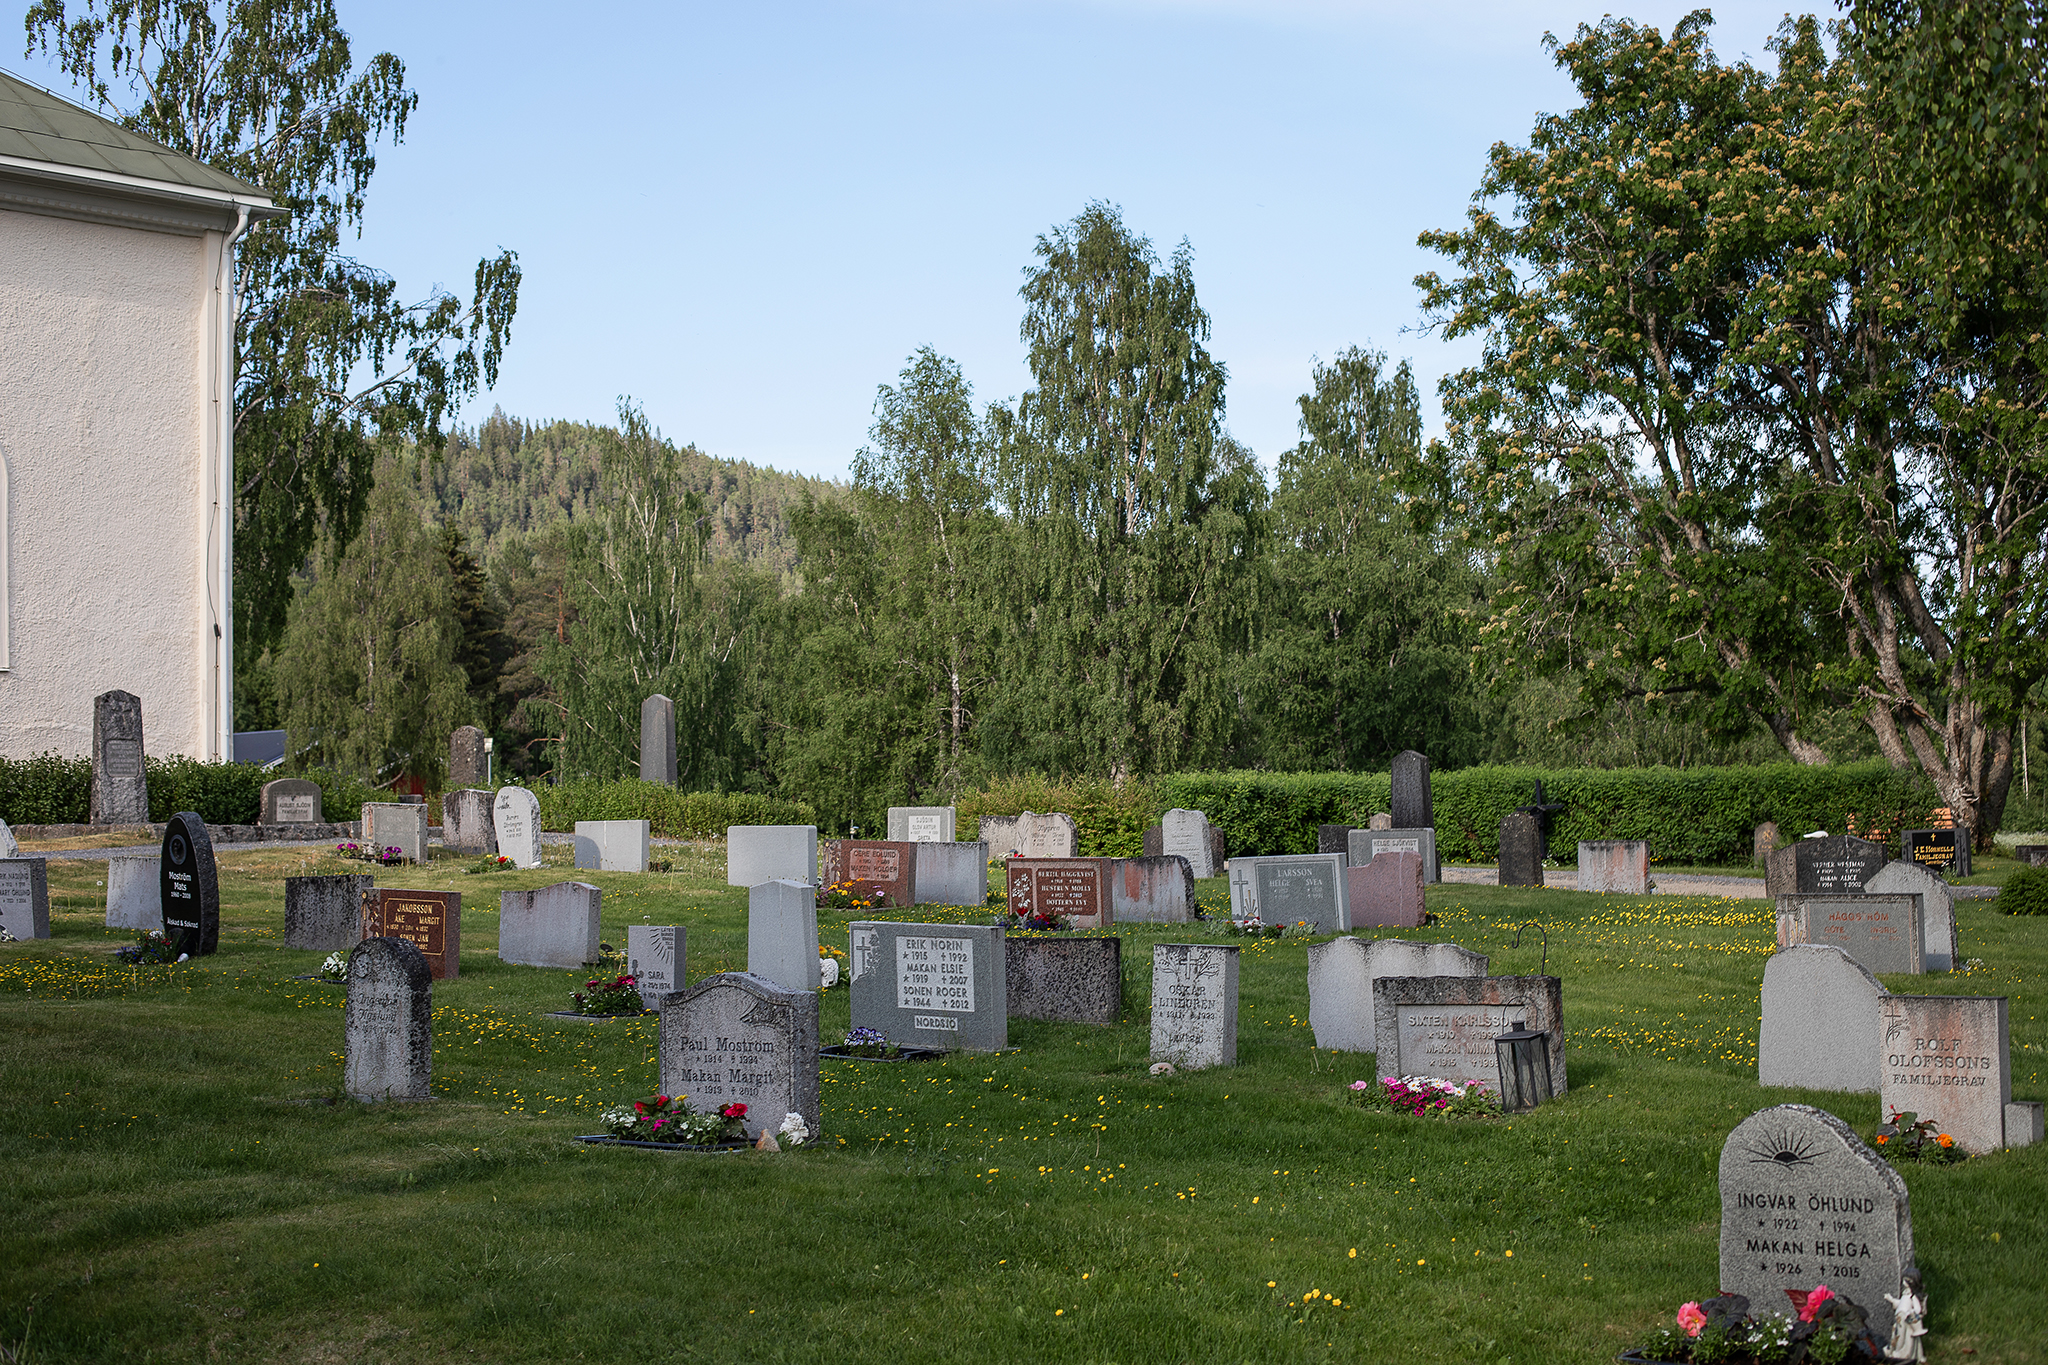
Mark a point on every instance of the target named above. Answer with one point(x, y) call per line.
point(186, 1183)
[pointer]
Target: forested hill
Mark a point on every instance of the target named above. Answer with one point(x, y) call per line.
point(510, 477)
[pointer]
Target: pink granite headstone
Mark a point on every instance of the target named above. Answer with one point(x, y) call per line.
point(1386, 893)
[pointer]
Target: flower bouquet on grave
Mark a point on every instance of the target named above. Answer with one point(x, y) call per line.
point(1908, 1137)
point(489, 863)
point(667, 1119)
point(1426, 1096)
point(1251, 926)
point(609, 995)
point(852, 894)
point(1828, 1330)
point(1027, 918)
point(150, 949)
point(335, 968)
point(867, 1042)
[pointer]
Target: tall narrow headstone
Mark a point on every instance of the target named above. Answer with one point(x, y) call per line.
point(1820, 1021)
point(1340, 977)
point(515, 819)
point(782, 934)
point(1884, 933)
point(469, 821)
point(135, 893)
point(734, 1038)
point(1292, 889)
point(763, 853)
point(25, 897)
point(1949, 1058)
point(430, 920)
point(1521, 849)
point(1366, 844)
point(468, 760)
point(388, 1023)
point(120, 788)
point(1939, 951)
point(930, 985)
point(1445, 1025)
point(1763, 842)
point(291, 801)
point(1616, 866)
point(1185, 833)
point(1386, 893)
point(1194, 1004)
point(324, 914)
point(612, 845)
point(1803, 1203)
point(656, 956)
point(553, 926)
point(1151, 890)
point(658, 740)
point(921, 824)
point(396, 824)
point(1065, 980)
point(1413, 808)
point(189, 884)
point(1073, 889)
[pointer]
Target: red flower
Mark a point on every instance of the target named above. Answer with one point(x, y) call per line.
point(734, 1110)
point(639, 1106)
point(1809, 1303)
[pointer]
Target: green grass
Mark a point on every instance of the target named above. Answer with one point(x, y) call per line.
point(183, 1182)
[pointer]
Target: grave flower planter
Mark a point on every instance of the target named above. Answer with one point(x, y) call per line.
point(908, 1054)
point(606, 1140)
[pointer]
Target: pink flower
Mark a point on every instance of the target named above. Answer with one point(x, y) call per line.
point(1809, 1304)
point(1360, 1085)
point(1691, 1319)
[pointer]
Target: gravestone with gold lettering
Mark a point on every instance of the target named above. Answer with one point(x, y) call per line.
point(430, 920)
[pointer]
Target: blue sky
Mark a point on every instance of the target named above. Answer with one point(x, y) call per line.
point(747, 216)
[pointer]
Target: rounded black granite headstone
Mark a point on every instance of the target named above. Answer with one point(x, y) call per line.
point(189, 885)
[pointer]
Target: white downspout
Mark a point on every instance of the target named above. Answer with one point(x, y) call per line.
point(223, 490)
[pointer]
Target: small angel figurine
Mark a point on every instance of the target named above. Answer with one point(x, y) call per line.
point(1909, 1324)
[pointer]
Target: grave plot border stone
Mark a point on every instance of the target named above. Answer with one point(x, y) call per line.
point(1452, 1007)
point(1194, 1004)
point(1064, 980)
point(189, 884)
point(1819, 1025)
point(28, 917)
point(912, 1002)
point(714, 1067)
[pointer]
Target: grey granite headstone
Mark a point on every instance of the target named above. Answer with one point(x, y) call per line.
point(515, 820)
point(1151, 890)
point(656, 957)
point(1386, 893)
point(396, 824)
point(1939, 951)
point(930, 985)
point(120, 788)
point(1835, 865)
point(1804, 1202)
point(2033, 855)
point(189, 884)
point(782, 934)
point(1884, 933)
point(1334, 838)
point(1340, 977)
point(1031, 835)
point(766, 853)
point(468, 761)
point(612, 845)
point(1194, 1004)
point(921, 824)
point(1413, 808)
point(8, 847)
point(1616, 866)
point(658, 740)
point(1763, 842)
point(1521, 849)
point(1366, 844)
point(388, 1023)
point(324, 914)
point(2026, 1123)
point(1067, 980)
point(1444, 1026)
point(735, 1038)
point(554, 926)
point(469, 821)
point(291, 801)
point(1185, 833)
point(1949, 1058)
point(25, 897)
point(1298, 888)
point(135, 893)
point(1154, 846)
point(1819, 1028)
point(947, 873)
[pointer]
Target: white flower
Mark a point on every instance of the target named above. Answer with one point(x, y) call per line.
point(795, 1130)
point(828, 972)
point(1162, 1068)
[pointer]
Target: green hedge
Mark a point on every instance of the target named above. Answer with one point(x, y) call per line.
point(49, 790)
point(45, 790)
point(1109, 817)
point(222, 793)
point(670, 814)
point(2025, 892)
point(1691, 815)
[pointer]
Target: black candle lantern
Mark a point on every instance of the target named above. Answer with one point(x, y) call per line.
point(1524, 1057)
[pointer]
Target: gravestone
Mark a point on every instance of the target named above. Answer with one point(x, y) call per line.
point(469, 821)
point(25, 897)
point(469, 762)
point(1380, 819)
point(554, 926)
point(388, 1023)
point(1151, 890)
point(1154, 846)
point(766, 853)
point(930, 985)
point(8, 847)
point(658, 740)
point(2024, 1123)
point(1804, 1202)
point(611, 845)
point(1194, 1004)
point(120, 787)
point(1075, 889)
point(324, 914)
point(1615, 866)
point(921, 824)
point(1413, 808)
point(1819, 1029)
point(1942, 851)
point(1065, 980)
point(887, 867)
point(1939, 951)
point(1185, 833)
point(656, 955)
point(1763, 843)
point(1445, 1025)
point(735, 1038)
point(135, 893)
point(1367, 844)
point(1031, 834)
point(515, 820)
point(1521, 849)
point(396, 824)
point(1290, 889)
point(1386, 893)
point(2033, 855)
point(1334, 838)
point(949, 873)
point(1949, 1058)
point(430, 920)
point(782, 934)
point(1884, 933)
point(189, 884)
point(1840, 864)
point(291, 801)
point(1341, 973)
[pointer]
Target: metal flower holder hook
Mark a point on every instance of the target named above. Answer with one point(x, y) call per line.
point(1532, 924)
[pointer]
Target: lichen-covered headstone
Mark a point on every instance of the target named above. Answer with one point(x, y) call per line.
point(120, 787)
point(1051, 835)
point(1521, 849)
point(469, 821)
point(324, 914)
point(468, 759)
point(515, 818)
point(736, 1038)
point(1194, 1004)
point(389, 1022)
point(189, 885)
point(1334, 838)
point(1069, 980)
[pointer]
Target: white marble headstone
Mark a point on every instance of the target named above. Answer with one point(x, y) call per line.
point(516, 818)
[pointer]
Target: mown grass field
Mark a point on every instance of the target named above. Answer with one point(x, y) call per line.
point(184, 1183)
